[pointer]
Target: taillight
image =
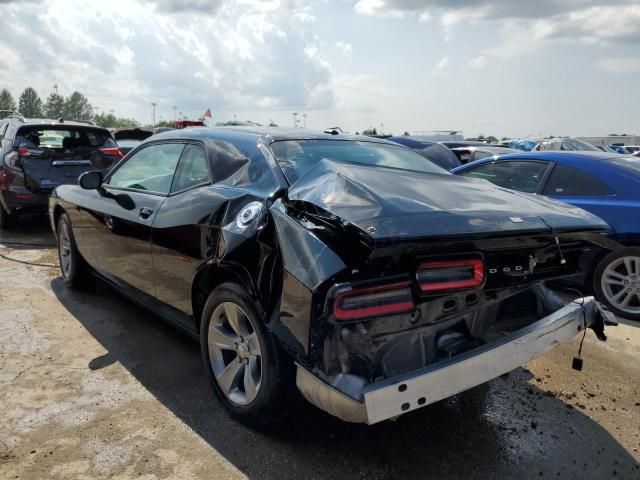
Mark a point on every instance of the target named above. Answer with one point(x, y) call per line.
point(29, 152)
point(374, 301)
point(12, 159)
point(115, 151)
point(450, 275)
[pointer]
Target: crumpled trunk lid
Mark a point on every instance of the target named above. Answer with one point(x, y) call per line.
point(391, 204)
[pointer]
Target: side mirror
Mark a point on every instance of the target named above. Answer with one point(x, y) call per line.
point(90, 180)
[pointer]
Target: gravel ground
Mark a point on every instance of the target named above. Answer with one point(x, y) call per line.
point(94, 387)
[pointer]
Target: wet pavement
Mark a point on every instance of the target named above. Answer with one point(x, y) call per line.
point(91, 386)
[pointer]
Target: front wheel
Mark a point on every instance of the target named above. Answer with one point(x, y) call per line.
point(249, 373)
point(617, 282)
point(74, 269)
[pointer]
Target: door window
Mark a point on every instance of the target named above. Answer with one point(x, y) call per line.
point(571, 182)
point(521, 176)
point(478, 154)
point(150, 169)
point(192, 170)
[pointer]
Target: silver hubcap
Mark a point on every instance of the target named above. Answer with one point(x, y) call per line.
point(621, 284)
point(234, 353)
point(64, 250)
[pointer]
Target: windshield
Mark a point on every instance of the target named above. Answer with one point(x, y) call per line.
point(296, 157)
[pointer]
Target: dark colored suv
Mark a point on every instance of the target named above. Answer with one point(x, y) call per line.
point(37, 155)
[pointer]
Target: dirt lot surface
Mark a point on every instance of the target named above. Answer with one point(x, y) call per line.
point(94, 387)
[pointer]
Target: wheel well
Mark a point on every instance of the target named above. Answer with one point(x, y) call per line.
point(57, 212)
point(206, 280)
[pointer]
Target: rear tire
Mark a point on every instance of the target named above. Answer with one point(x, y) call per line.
point(616, 282)
point(250, 374)
point(76, 273)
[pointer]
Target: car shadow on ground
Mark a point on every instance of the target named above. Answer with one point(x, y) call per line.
point(31, 232)
point(507, 428)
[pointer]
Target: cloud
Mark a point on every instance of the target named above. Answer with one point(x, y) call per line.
point(241, 54)
point(345, 48)
point(485, 8)
point(186, 6)
point(620, 65)
point(478, 62)
point(543, 21)
point(441, 68)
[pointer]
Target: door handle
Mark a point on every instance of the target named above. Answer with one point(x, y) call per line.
point(145, 212)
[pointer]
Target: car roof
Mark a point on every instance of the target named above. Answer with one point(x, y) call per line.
point(488, 148)
point(560, 156)
point(267, 134)
point(52, 122)
point(569, 157)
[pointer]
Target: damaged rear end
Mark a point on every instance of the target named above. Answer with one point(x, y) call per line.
point(404, 288)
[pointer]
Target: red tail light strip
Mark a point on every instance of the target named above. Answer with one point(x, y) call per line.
point(112, 151)
point(374, 301)
point(450, 275)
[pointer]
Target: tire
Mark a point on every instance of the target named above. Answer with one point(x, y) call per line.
point(250, 374)
point(76, 273)
point(7, 220)
point(616, 282)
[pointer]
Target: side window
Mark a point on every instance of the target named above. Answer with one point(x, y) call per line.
point(192, 169)
point(478, 154)
point(571, 182)
point(151, 168)
point(521, 176)
point(3, 128)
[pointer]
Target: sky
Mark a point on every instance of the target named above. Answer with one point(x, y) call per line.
point(497, 67)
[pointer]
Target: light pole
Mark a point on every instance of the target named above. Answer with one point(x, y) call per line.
point(55, 87)
point(153, 106)
point(174, 112)
point(295, 119)
point(304, 116)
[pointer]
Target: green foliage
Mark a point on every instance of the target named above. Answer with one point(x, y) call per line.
point(370, 131)
point(164, 123)
point(7, 103)
point(77, 107)
point(30, 104)
point(406, 134)
point(54, 107)
point(109, 120)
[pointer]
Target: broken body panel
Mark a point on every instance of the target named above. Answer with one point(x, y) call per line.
point(364, 274)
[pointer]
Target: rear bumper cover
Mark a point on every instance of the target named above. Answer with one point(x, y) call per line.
point(398, 395)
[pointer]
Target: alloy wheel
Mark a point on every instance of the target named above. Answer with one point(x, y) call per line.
point(64, 250)
point(621, 283)
point(234, 353)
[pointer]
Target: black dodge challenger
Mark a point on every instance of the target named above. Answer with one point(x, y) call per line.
point(350, 269)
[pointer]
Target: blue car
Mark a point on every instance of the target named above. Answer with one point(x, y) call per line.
point(605, 184)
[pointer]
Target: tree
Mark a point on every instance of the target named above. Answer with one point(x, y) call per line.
point(30, 104)
point(7, 103)
point(109, 120)
point(77, 107)
point(54, 108)
point(406, 134)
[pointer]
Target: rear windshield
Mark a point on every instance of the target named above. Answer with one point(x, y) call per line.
point(628, 163)
point(296, 157)
point(66, 138)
